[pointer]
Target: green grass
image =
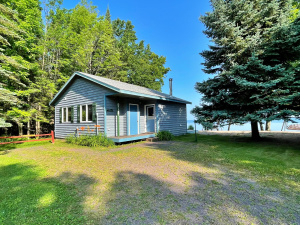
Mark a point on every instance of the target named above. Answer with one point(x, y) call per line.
point(216, 180)
point(275, 162)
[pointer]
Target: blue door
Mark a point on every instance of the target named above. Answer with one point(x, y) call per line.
point(133, 119)
point(150, 126)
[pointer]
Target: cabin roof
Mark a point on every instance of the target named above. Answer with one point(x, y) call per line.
point(121, 87)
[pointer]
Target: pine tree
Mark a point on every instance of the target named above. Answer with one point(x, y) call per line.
point(240, 90)
point(107, 15)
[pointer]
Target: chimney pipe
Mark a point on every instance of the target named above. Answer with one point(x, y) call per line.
point(170, 85)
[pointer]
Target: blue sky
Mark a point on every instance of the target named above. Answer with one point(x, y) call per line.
point(173, 29)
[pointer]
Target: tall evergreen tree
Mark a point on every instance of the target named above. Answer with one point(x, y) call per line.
point(240, 31)
point(107, 15)
point(27, 51)
point(11, 64)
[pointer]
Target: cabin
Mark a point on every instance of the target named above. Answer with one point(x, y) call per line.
point(89, 104)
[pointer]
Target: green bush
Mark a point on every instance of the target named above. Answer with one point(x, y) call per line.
point(164, 135)
point(13, 139)
point(190, 127)
point(90, 140)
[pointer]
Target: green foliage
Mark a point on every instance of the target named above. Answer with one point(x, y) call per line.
point(90, 140)
point(164, 135)
point(4, 124)
point(12, 66)
point(21, 76)
point(252, 62)
point(13, 139)
point(191, 127)
point(37, 59)
point(144, 67)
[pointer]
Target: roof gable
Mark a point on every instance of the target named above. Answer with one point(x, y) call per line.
point(121, 87)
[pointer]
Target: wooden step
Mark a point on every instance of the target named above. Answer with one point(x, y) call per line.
point(153, 139)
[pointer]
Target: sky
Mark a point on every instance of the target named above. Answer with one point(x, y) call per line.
point(173, 30)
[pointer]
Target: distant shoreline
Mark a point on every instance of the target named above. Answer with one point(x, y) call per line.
point(276, 126)
point(282, 136)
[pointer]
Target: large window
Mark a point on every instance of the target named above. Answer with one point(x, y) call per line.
point(86, 112)
point(66, 114)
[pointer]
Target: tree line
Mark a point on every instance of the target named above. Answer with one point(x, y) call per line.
point(254, 60)
point(42, 44)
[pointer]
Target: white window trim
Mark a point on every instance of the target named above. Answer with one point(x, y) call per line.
point(86, 115)
point(63, 109)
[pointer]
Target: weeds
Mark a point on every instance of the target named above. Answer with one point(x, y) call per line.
point(90, 140)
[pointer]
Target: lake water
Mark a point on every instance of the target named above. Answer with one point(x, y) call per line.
point(276, 125)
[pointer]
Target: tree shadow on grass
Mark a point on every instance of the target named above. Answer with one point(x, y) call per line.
point(137, 198)
point(4, 148)
point(26, 198)
point(269, 157)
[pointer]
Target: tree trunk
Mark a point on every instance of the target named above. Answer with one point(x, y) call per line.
point(261, 126)
point(28, 127)
point(254, 131)
point(229, 127)
point(268, 126)
point(38, 123)
point(20, 126)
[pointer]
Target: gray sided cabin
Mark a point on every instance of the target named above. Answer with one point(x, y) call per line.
point(89, 104)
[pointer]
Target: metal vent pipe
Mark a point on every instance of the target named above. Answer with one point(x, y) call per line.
point(170, 85)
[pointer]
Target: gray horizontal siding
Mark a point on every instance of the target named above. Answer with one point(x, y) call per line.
point(80, 92)
point(142, 119)
point(111, 117)
point(123, 119)
point(172, 117)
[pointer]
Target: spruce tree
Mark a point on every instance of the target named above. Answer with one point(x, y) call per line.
point(240, 90)
point(107, 15)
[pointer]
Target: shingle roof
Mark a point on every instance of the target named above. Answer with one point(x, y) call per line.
point(125, 88)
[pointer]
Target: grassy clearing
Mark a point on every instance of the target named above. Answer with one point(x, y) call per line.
point(272, 161)
point(217, 180)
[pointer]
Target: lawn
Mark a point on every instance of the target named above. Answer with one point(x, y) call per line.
point(219, 179)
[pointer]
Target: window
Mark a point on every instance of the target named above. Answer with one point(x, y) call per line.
point(150, 111)
point(86, 112)
point(90, 113)
point(66, 114)
point(83, 113)
point(69, 114)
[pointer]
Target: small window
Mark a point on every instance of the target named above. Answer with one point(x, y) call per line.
point(86, 113)
point(66, 115)
point(150, 111)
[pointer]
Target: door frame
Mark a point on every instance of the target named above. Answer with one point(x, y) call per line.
point(138, 117)
point(145, 116)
